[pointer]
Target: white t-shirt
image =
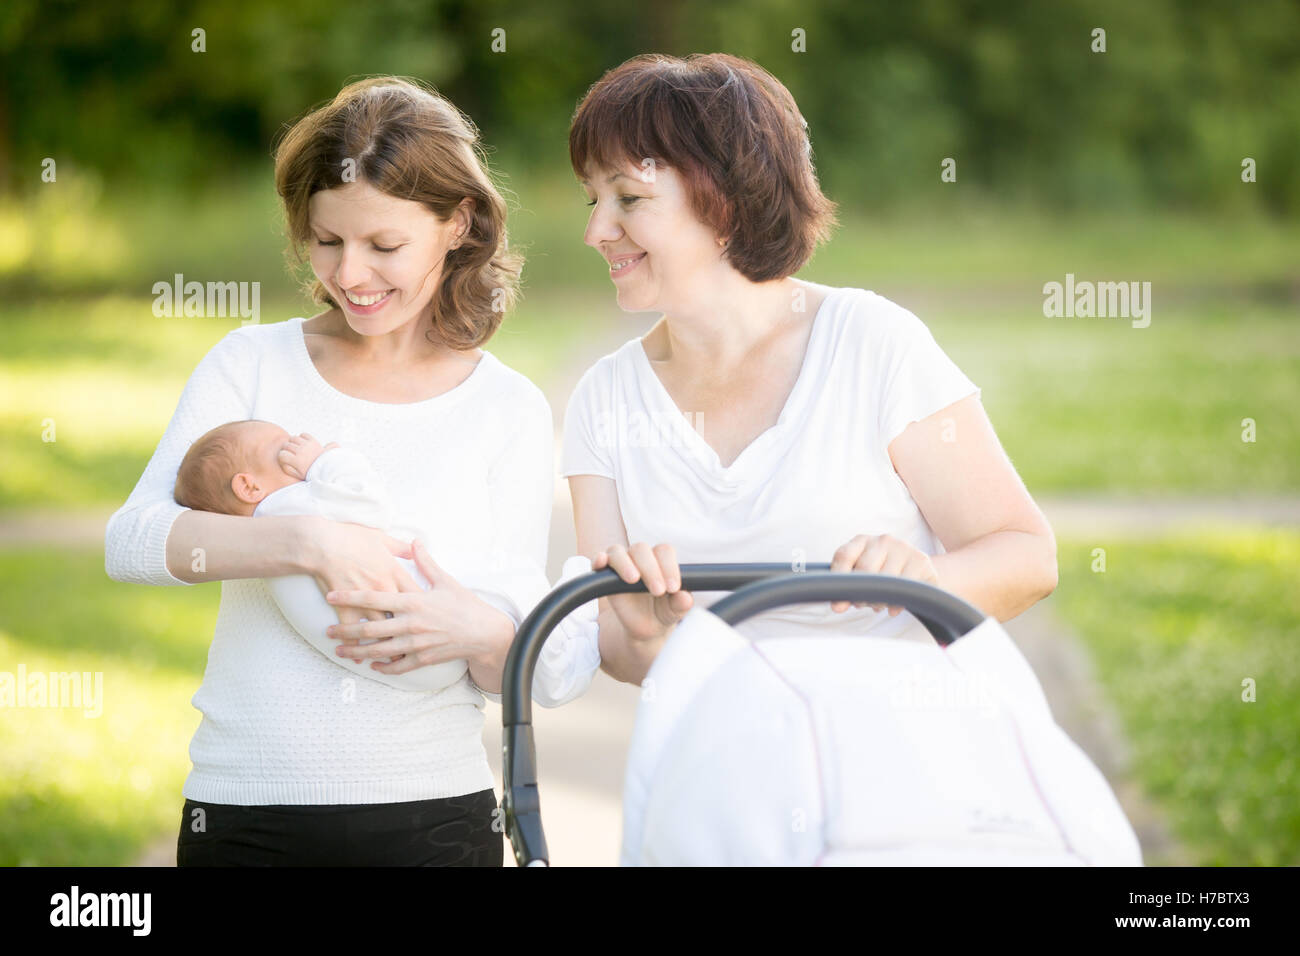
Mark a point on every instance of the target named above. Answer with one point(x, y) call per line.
point(800, 490)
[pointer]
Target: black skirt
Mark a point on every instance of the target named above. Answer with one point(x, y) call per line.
point(452, 831)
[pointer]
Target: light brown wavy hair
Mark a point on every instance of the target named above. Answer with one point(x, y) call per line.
point(411, 143)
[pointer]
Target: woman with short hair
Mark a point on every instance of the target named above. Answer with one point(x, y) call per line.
point(822, 424)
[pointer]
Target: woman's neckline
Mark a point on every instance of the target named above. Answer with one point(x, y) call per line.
point(454, 394)
point(792, 402)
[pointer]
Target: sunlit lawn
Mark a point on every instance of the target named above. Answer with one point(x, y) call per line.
point(1180, 628)
point(1082, 405)
point(87, 236)
point(1097, 406)
point(81, 789)
point(87, 388)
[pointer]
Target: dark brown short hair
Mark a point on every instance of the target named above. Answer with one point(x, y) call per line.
point(203, 479)
point(735, 134)
point(409, 142)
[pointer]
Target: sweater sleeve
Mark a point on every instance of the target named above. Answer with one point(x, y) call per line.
point(523, 490)
point(220, 390)
point(521, 487)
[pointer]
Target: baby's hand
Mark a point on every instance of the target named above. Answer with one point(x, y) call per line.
point(300, 453)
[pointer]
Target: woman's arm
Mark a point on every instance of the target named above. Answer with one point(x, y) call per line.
point(521, 488)
point(626, 654)
point(137, 547)
point(598, 524)
point(1001, 553)
point(211, 547)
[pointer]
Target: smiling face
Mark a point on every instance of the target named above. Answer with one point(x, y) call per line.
point(660, 255)
point(379, 257)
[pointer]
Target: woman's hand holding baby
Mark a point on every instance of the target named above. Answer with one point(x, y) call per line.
point(444, 623)
point(345, 557)
point(300, 453)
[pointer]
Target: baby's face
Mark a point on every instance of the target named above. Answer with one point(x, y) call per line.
point(261, 443)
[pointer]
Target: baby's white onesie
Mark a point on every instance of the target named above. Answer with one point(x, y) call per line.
point(342, 485)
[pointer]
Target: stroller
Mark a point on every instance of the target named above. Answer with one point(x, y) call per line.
point(834, 750)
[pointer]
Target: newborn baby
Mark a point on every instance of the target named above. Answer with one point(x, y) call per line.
point(256, 468)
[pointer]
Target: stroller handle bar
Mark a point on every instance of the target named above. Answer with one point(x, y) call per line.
point(757, 588)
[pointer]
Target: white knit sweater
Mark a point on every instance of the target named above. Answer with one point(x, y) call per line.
point(472, 469)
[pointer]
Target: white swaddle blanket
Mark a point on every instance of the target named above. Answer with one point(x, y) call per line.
point(342, 485)
point(848, 750)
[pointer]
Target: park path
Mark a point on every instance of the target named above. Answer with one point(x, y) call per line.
point(581, 746)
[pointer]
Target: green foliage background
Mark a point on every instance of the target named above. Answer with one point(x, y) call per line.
point(1011, 88)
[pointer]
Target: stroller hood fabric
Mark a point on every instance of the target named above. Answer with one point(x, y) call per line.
point(846, 750)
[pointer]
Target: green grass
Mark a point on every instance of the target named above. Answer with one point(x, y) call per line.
point(1096, 406)
point(1175, 626)
point(980, 246)
point(1081, 405)
point(76, 788)
point(88, 387)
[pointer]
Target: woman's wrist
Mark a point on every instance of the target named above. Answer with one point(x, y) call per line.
point(623, 657)
point(302, 552)
point(491, 632)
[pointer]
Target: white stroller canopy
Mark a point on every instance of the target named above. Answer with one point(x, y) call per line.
point(858, 751)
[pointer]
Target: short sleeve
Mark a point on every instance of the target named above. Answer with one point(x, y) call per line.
point(586, 448)
point(917, 377)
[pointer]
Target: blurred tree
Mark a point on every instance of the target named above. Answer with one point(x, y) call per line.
point(1009, 88)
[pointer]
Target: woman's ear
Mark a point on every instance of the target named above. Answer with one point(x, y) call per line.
point(464, 219)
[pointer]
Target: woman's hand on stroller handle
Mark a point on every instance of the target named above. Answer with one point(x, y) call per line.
point(651, 616)
point(882, 554)
point(646, 616)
